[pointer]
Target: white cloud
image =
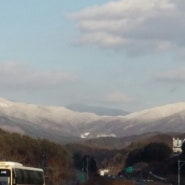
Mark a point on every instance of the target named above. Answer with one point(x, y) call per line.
point(21, 76)
point(142, 25)
point(175, 75)
point(117, 98)
point(131, 8)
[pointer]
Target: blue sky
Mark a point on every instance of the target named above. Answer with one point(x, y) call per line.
point(126, 54)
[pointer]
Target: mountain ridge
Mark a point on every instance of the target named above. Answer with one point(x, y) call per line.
point(57, 122)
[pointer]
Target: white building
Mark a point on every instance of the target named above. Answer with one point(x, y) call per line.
point(177, 144)
point(103, 172)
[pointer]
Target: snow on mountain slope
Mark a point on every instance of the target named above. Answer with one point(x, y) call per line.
point(156, 112)
point(37, 113)
point(55, 122)
point(168, 118)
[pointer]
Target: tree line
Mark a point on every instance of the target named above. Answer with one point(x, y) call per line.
point(53, 158)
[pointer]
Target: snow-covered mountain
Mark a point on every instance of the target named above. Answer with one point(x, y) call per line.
point(57, 123)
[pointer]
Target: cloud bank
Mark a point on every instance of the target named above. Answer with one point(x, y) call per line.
point(21, 76)
point(117, 97)
point(135, 26)
point(173, 76)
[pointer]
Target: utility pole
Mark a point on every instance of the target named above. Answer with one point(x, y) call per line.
point(44, 160)
point(88, 166)
point(179, 170)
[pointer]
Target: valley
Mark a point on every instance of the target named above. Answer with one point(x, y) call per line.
point(107, 140)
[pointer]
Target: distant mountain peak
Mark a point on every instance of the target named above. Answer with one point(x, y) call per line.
point(99, 110)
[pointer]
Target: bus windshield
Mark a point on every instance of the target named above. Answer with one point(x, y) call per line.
point(4, 177)
point(4, 180)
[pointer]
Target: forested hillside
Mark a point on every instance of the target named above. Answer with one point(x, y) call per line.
point(52, 157)
point(60, 161)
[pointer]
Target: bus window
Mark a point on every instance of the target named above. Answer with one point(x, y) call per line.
point(4, 177)
point(26, 176)
point(4, 180)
